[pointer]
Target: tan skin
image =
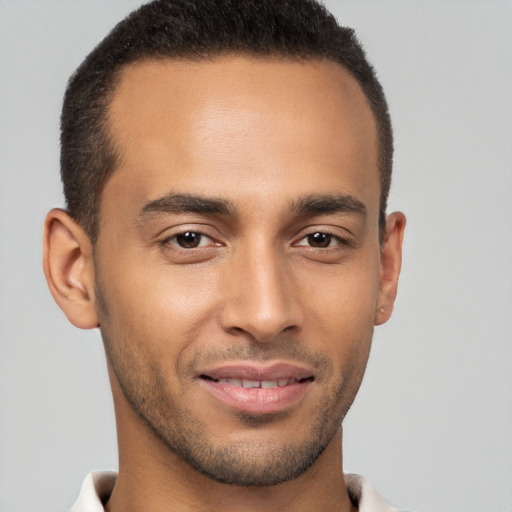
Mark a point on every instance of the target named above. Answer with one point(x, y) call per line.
point(262, 137)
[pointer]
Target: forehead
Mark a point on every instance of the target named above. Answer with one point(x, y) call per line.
point(238, 124)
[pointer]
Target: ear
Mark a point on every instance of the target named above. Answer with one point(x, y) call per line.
point(69, 269)
point(390, 264)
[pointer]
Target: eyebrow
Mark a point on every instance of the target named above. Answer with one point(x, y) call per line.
point(308, 205)
point(186, 203)
point(328, 204)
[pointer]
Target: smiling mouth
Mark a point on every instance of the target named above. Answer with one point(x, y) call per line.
point(257, 389)
point(265, 384)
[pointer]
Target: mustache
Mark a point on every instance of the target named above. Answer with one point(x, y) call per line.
point(287, 350)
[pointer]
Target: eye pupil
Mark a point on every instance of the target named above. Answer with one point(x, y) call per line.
point(319, 239)
point(188, 239)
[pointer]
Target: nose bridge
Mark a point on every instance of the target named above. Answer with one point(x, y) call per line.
point(260, 297)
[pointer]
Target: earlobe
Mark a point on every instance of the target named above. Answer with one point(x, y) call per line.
point(390, 265)
point(68, 267)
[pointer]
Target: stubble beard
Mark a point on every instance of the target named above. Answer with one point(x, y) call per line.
point(239, 463)
point(242, 463)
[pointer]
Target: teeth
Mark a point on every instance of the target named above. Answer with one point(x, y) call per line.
point(234, 382)
point(266, 384)
point(251, 383)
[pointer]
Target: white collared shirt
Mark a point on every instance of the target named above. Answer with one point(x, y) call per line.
point(98, 486)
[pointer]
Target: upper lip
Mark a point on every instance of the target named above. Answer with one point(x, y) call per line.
point(258, 371)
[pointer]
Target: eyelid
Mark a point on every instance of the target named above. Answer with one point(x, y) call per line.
point(344, 241)
point(169, 235)
point(203, 237)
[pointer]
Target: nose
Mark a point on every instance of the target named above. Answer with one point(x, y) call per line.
point(260, 298)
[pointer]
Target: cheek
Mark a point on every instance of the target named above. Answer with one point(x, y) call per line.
point(160, 307)
point(344, 300)
point(341, 313)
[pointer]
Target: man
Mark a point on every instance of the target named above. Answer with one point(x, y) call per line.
point(226, 167)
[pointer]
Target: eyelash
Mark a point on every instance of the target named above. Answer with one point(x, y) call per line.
point(172, 240)
point(345, 242)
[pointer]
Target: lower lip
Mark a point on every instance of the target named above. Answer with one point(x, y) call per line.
point(257, 400)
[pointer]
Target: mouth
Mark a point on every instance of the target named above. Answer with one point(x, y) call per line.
point(251, 384)
point(257, 389)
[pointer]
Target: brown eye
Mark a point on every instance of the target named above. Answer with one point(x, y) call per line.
point(189, 239)
point(319, 240)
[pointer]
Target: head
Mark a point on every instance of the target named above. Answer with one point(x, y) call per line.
point(226, 167)
point(197, 30)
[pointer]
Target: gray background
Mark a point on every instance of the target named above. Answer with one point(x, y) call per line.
point(432, 426)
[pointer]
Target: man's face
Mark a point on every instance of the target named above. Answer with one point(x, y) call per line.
point(237, 264)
